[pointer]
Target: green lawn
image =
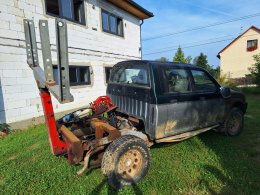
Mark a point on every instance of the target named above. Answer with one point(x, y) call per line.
point(207, 164)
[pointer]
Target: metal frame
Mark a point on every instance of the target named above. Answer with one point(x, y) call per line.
point(44, 77)
point(46, 50)
point(45, 81)
point(63, 61)
point(31, 45)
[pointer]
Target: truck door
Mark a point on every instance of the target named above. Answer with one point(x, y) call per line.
point(175, 101)
point(206, 98)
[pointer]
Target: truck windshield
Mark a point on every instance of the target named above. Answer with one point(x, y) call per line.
point(131, 75)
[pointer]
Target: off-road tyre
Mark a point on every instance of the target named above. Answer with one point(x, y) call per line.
point(234, 123)
point(126, 161)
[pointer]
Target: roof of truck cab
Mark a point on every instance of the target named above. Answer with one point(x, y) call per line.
point(158, 63)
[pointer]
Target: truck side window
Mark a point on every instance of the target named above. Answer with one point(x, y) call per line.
point(202, 82)
point(175, 80)
point(131, 76)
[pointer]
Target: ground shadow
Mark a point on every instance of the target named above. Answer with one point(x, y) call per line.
point(112, 191)
point(237, 174)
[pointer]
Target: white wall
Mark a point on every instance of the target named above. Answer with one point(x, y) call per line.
point(19, 98)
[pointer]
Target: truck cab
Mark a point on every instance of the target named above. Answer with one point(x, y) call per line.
point(171, 98)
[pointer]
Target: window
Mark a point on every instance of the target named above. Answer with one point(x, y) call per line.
point(79, 75)
point(107, 73)
point(174, 80)
point(252, 45)
point(69, 9)
point(112, 24)
point(202, 82)
point(134, 75)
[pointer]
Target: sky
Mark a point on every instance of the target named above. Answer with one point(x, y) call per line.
point(173, 16)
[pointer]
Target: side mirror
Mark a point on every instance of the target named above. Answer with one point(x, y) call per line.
point(225, 92)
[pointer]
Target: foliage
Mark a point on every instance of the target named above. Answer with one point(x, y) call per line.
point(162, 59)
point(180, 57)
point(4, 127)
point(255, 70)
point(223, 80)
point(201, 61)
point(201, 165)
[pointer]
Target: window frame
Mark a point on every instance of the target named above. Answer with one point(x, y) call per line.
point(133, 85)
point(252, 48)
point(163, 68)
point(105, 73)
point(72, 9)
point(109, 26)
point(78, 75)
point(210, 78)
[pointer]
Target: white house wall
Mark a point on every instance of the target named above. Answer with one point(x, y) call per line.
point(88, 45)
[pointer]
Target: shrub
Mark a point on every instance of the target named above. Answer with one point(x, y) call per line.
point(5, 128)
point(223, 80)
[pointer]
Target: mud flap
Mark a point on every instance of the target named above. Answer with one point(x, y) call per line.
point(74, 146)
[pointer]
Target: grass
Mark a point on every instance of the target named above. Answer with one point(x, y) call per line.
point(207, 164)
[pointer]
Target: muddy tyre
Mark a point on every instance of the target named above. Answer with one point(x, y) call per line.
point(126, 161)
point(234, 123)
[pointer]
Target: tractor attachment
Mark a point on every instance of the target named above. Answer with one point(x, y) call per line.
point(82, 135)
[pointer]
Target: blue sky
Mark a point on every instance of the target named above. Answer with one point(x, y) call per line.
point(177, 15)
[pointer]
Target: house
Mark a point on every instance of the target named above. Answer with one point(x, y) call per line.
point(237, 56)
point(100, 34)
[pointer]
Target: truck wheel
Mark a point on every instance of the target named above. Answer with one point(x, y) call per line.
point(234, 123)
point(125, 161)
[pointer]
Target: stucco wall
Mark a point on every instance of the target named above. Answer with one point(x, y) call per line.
point(88, 45)
point(235, 60)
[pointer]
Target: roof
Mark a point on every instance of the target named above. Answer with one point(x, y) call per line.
point(132, 8)
point(157, 63)
point(252, 27)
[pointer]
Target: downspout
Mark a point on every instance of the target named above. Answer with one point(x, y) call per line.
point(141, 49)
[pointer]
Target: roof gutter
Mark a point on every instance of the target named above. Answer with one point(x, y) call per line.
point(134, 4)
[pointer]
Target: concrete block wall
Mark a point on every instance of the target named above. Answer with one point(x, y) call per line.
point(88, 45)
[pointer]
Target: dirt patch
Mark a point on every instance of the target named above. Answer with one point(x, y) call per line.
point(249, 116)
point(12, 157)
point(1, 180)
point(34, 146)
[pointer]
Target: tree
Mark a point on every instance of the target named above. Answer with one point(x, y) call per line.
point(163, 59)
point(255, 69)
point(201, 61)
point(180, 57)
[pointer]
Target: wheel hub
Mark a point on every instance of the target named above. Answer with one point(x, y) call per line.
point(234, 123)
point(130, 164)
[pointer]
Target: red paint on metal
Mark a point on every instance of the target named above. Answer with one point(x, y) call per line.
point(99, 102)
point(57, 145)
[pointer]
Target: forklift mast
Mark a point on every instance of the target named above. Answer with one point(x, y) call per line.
point(60, 89)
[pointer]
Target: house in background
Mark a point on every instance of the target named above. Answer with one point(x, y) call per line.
point(100, 33)
point(237, 57)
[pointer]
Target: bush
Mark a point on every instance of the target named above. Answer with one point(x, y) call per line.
point(255, 70)
point(223, 80)
point(5, 128)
